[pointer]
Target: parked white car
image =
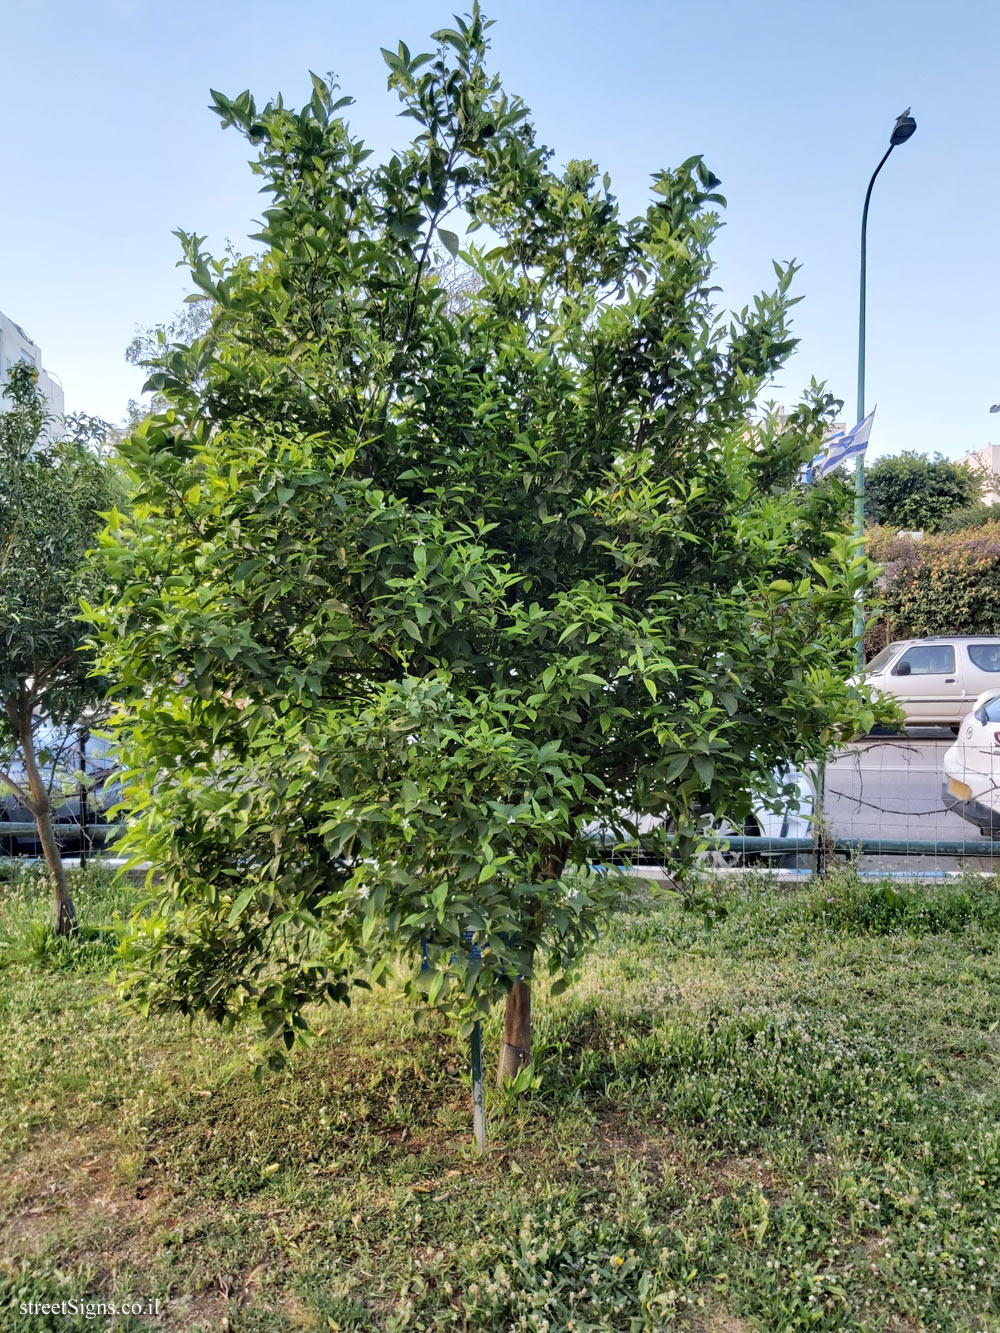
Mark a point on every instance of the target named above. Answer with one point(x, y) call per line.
point(972, 767)
point(936, 681)
point(787, 812)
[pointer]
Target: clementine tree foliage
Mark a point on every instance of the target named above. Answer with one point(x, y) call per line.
point(416, 594)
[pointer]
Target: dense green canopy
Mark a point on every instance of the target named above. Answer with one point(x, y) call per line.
point(910, 490)
point(416, 593)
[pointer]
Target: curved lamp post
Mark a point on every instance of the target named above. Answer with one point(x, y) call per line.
point(901, 131)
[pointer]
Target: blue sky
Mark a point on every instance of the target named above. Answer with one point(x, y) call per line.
point(108, 146)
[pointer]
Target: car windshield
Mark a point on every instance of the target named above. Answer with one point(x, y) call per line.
point(883, 658)
point(991, 709)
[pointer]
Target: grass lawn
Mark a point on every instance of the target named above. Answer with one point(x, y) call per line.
point(788, 1120)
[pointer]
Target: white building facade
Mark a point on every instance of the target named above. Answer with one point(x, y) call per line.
point(15, 345)
point(987, 461)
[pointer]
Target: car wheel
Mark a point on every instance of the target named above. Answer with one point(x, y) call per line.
point(731, 860)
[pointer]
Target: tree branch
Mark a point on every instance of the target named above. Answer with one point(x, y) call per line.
point(18, 791)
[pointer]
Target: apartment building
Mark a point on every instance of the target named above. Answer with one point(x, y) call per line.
point(15, 345)
point(987, 461)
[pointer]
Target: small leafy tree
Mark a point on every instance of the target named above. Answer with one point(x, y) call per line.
point(979, 515)
point(418, 593)
point(53, 496)
point(149, 345)
point(910, 490)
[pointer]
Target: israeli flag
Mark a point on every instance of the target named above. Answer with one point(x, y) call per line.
point(844, 445)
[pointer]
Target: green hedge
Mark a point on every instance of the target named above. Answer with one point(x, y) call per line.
point(943, 584)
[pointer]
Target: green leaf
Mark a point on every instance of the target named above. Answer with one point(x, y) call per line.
point(236, 911)
point(406, 231)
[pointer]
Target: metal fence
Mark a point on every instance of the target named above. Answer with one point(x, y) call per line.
point(912, 802)
point(879, 801)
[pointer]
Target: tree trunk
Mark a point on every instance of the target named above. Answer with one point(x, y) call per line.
point(516, 1050)
point(64, 918)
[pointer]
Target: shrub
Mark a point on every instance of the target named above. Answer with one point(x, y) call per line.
point(943, 584)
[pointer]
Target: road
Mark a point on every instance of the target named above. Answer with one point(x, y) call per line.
point(890, 787)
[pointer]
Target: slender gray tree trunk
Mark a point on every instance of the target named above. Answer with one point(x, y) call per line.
point(64, 917)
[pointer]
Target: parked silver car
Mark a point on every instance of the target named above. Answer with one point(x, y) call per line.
point(937, 680)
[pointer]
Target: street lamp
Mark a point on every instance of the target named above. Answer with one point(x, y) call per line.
point(901, 131)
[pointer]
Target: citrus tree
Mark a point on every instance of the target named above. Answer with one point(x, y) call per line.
point(417, 594)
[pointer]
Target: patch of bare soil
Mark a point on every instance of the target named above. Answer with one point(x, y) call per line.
point(75, 1200)
point(71, 1180)
point(718, 1322)
point(659, 1159)
point(732, 1172)
point(657, 1156)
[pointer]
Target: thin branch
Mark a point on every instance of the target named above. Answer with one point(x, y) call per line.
point(17, 790)
point(412, 308)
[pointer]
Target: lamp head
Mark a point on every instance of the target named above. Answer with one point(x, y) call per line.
point(903, 129)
